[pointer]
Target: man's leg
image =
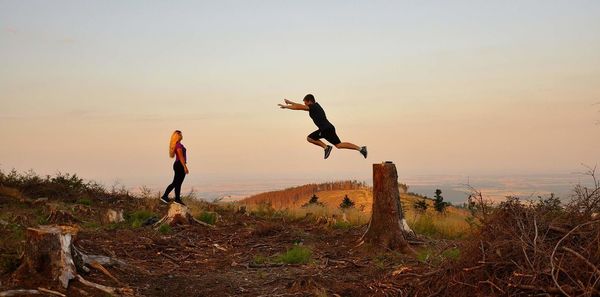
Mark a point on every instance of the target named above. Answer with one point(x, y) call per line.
point(316, 142)
point(348, 146)
point(332, 137)
point(314, 138)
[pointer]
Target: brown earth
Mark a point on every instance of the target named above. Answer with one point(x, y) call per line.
point(224, 261)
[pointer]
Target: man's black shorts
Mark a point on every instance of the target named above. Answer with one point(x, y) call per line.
point(329, 134)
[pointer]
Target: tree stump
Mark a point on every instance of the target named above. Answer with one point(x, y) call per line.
point(177, 214)
point(49, 253)
point(386, 226)
point(113, 216)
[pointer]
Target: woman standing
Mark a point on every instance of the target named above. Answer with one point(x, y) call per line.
point(177, 150)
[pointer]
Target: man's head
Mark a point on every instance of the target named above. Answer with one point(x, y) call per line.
point(309, 99)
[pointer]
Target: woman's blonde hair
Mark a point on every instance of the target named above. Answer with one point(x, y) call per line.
point(175, 138)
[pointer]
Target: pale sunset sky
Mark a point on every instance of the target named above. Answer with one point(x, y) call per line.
point(439, 87)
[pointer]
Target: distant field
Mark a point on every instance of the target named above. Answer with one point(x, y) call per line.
point(451, 224)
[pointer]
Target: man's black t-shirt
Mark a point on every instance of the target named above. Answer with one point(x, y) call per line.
point(317, 114)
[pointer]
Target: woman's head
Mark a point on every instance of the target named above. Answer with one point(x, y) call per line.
point(175, 138)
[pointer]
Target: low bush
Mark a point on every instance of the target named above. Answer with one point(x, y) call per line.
point(295, 255)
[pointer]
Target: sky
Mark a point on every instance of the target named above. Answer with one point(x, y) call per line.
point(468, 88)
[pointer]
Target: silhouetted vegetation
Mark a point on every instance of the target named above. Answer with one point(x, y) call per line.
point(438, 202)
point(346, 203)
point(314, 201)
point(420, 206)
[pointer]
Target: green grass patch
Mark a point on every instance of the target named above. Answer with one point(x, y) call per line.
point(424, 255)
point(428, 255)
point(207, 217)
point(260, 259)
point(42, 219)
point(84, 201)
point(165, 229)
point(342, 225)
point(137, 218)
point(452, 254)
point(296, 255)
point(17, 233)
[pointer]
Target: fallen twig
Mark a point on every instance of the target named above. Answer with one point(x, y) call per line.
point(582, 258)
point(109, 290)
point(43, 290)
point(169, 257)
point(19, 292)
point(202, 223)
point(105, 271)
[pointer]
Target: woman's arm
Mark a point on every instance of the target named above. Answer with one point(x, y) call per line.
point(182, 160)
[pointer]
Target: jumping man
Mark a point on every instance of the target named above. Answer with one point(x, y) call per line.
point(326, 129)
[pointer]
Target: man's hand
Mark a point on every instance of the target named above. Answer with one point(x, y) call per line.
point(287, 101)
point(283, 106)
point(187, 171)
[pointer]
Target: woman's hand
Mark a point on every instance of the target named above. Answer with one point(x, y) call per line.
point(287, 101)
point(186, 170)
point(282, 106)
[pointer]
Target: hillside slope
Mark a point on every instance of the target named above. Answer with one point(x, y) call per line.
point(362, 196)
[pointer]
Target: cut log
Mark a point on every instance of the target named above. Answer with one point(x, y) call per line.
point(386, 227)
point(49, 254)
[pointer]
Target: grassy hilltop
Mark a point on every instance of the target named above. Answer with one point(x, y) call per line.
point(452, 223)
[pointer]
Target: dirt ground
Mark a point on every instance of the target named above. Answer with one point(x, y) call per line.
point(196, 260)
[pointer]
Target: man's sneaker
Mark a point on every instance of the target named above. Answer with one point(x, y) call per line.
point(178, 201)
point(164, 200)
point(363, 151)
point(328, 151)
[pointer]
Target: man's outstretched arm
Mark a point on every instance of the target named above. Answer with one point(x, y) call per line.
point(293, 105)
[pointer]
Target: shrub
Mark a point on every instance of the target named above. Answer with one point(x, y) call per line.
point(264, 209)
point(347, 203)
point(260, 259)
point(165, 229)
point(207, 217)
point(314, 200)
point(438, 203)
point(137, 218)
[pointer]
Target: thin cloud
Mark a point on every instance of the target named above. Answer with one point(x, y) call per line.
point(11, 30)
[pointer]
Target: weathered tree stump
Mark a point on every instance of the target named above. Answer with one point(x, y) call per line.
point(386, 227)
point(179, 215)
point(49, 253)
point(113, 216)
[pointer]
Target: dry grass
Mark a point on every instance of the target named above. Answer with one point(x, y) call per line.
point(450, 225)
